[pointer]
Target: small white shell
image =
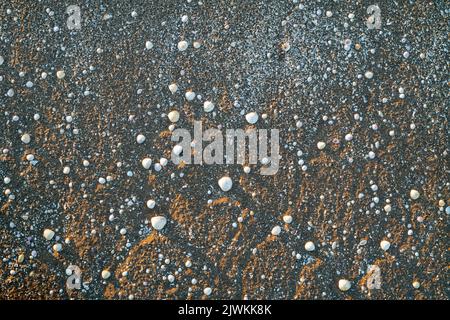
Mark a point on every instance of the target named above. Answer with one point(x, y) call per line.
point(344, 284)
point(177, 150)
point(173, 87)
point(225, 183)
point(189, 95)
point(287, 219)
point(146, 163)
point(106, 274)
point(251, 117)
point(140, 138)
point(148, 45)
point(309, 246)
point(207, 291)
point(208, 106)
point(182, 45)
point(414, 194)
point(321, 145)
point(158, 222)
point(385, 245)
point(151, 204)
point(60, 74)
point(368, 74)
point(276, 230)
point(25, 138)
point(173, 116)
point(49, 234)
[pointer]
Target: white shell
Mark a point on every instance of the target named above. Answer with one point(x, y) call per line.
point(106, 274)
point(49, 234)
point(344, 284)
point(173, 87)
point(414, 194)
point(321, 145)
point(287, 219)
point(208, 106)
point(163, 161)
point(309, 246)
point(225, 183)
point(190, 95)
point(385, 245)
point(151, 204)
point(251, 117)
point(158, 222)
point(276, 230)
point(60, 74)
point(25, 138)
point(368, 74)
point(177, 149)
point(182, 45)
point(146, 163)
point(140, 138)
point(173, 116)
point(207, 291)
point(148, 45)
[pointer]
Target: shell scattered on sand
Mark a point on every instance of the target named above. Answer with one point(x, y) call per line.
point(158, 222)
point(344, 284)
point(225, 183)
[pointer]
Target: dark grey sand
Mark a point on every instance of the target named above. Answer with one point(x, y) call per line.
point(304, 71)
